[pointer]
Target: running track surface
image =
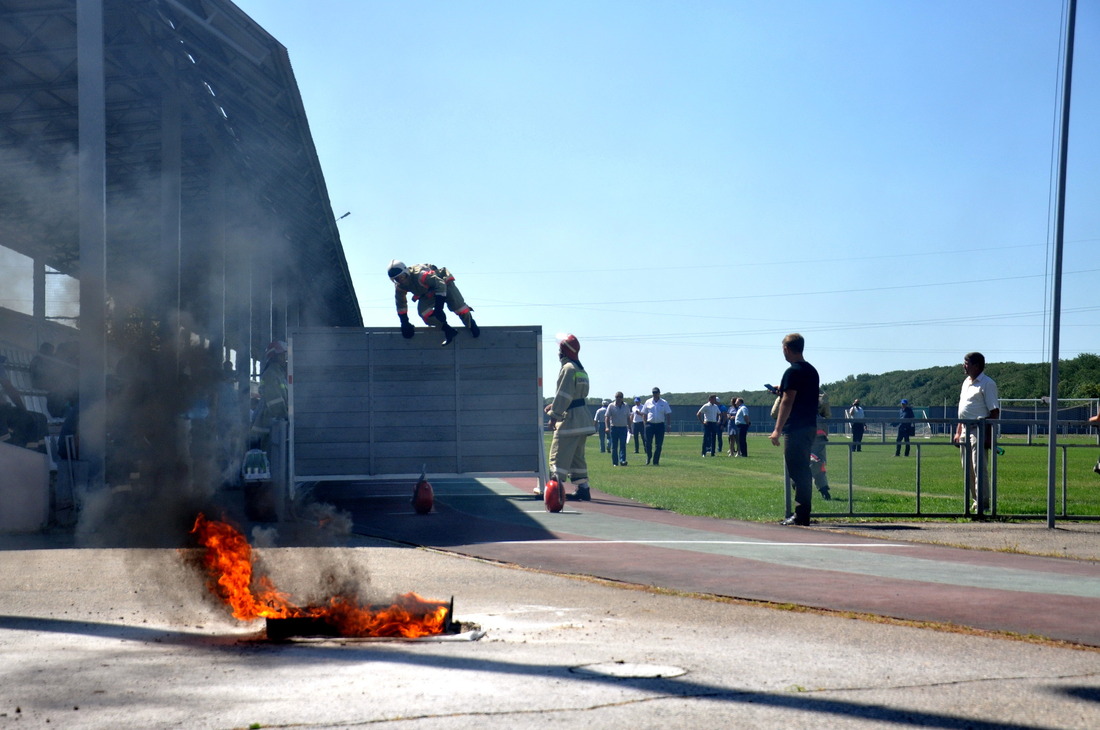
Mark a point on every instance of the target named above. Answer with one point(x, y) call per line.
point(620, 540)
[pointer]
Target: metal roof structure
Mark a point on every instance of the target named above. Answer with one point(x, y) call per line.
point(158, 152)
point(204, 73)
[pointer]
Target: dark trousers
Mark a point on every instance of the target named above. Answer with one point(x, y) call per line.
point(710, 433)
point(639, 434)
point(719, 436)
point(743, 438)
point(797, 444)
point(654, 440)
point(897, 448)
point(857, 436)
point(603, 437)
point(618, 445)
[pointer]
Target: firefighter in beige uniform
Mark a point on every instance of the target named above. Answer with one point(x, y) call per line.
point(571, 421)
point(432, 287)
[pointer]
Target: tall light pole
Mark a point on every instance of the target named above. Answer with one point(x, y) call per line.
point(1059, 237)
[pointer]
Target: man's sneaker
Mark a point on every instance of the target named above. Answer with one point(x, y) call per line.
point(449, 334)
point(792, 520)
point(538, 492)
point(825, 493)
point(582, 493)
point(474, 329)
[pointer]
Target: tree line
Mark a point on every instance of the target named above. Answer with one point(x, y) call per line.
point(1078, 378)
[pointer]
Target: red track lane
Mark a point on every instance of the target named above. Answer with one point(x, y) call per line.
point(499, 527)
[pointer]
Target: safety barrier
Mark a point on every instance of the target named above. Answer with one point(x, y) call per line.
point(995, 449)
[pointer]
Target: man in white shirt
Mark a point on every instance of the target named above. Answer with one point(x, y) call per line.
point(601, 426)
point(658, 417)
point(618, 424)
point(637, 424)
point(708, 414)
point(853, 413)
point(977, 401)
point(741, 420)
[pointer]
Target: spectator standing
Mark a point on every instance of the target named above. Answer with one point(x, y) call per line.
point(818, 466)
point(1094, 421)
point(731, 427)
point(709, 415)
point(853, 414)
point(600, 421)
point(905, 427)
point(570, 422)
point(797, 424)
point(658, 417)
point(618, 424)
point(742, 422)
point(978, 401)
point(723, 417)
point(637, 424)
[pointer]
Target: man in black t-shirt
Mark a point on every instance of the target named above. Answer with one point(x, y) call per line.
point(797, 422)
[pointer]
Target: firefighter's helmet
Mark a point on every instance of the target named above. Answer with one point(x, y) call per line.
point(276, 347)
point(569, 346)
point(396, 269)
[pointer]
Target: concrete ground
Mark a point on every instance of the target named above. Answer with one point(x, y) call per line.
point(98, 638)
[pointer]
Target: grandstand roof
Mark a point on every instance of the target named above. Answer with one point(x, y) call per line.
point(245, 149)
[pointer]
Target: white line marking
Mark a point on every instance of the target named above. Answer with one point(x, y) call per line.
point(543, 511)
point(703, 542)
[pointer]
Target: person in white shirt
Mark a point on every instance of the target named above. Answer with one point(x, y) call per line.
point(618, 424)
point(637, 425)
point(658, 417)
point(977, 401)
point(741, 420)
point(708, 414)
point(601, 426)
point(856, 412)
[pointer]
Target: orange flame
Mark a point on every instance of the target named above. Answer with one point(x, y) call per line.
point(228, 562)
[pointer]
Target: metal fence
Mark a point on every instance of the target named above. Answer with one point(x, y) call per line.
point(919, 446)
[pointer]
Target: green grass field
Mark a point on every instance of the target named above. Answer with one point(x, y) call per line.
point(882, 484)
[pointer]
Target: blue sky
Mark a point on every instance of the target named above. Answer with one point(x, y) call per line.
point(680, 184)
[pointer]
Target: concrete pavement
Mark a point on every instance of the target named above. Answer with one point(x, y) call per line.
point(97, 638)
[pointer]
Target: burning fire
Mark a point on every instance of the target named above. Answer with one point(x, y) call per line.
point(228, 562)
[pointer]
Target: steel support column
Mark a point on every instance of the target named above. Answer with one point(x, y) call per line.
point(92, 181)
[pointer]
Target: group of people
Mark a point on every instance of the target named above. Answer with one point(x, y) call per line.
point(797, 425)
point(905, 426)
point(799, 408)
point(734, 420)
point(571, 424)
point(617, 422)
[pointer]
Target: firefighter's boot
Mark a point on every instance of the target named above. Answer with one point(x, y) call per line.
point(449, 334)
point(582, 493)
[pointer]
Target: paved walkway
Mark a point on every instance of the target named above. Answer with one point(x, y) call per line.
point(619, 540)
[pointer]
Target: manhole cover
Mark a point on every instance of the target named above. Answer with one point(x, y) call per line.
point(626, 670)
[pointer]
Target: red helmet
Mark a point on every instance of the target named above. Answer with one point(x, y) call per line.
point(569, 346)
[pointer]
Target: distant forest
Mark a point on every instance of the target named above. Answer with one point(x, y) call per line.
point(1078, 378)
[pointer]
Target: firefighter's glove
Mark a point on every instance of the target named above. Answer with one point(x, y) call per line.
point(407, 329)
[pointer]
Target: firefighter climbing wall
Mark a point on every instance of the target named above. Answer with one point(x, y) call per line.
point(367, 402)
